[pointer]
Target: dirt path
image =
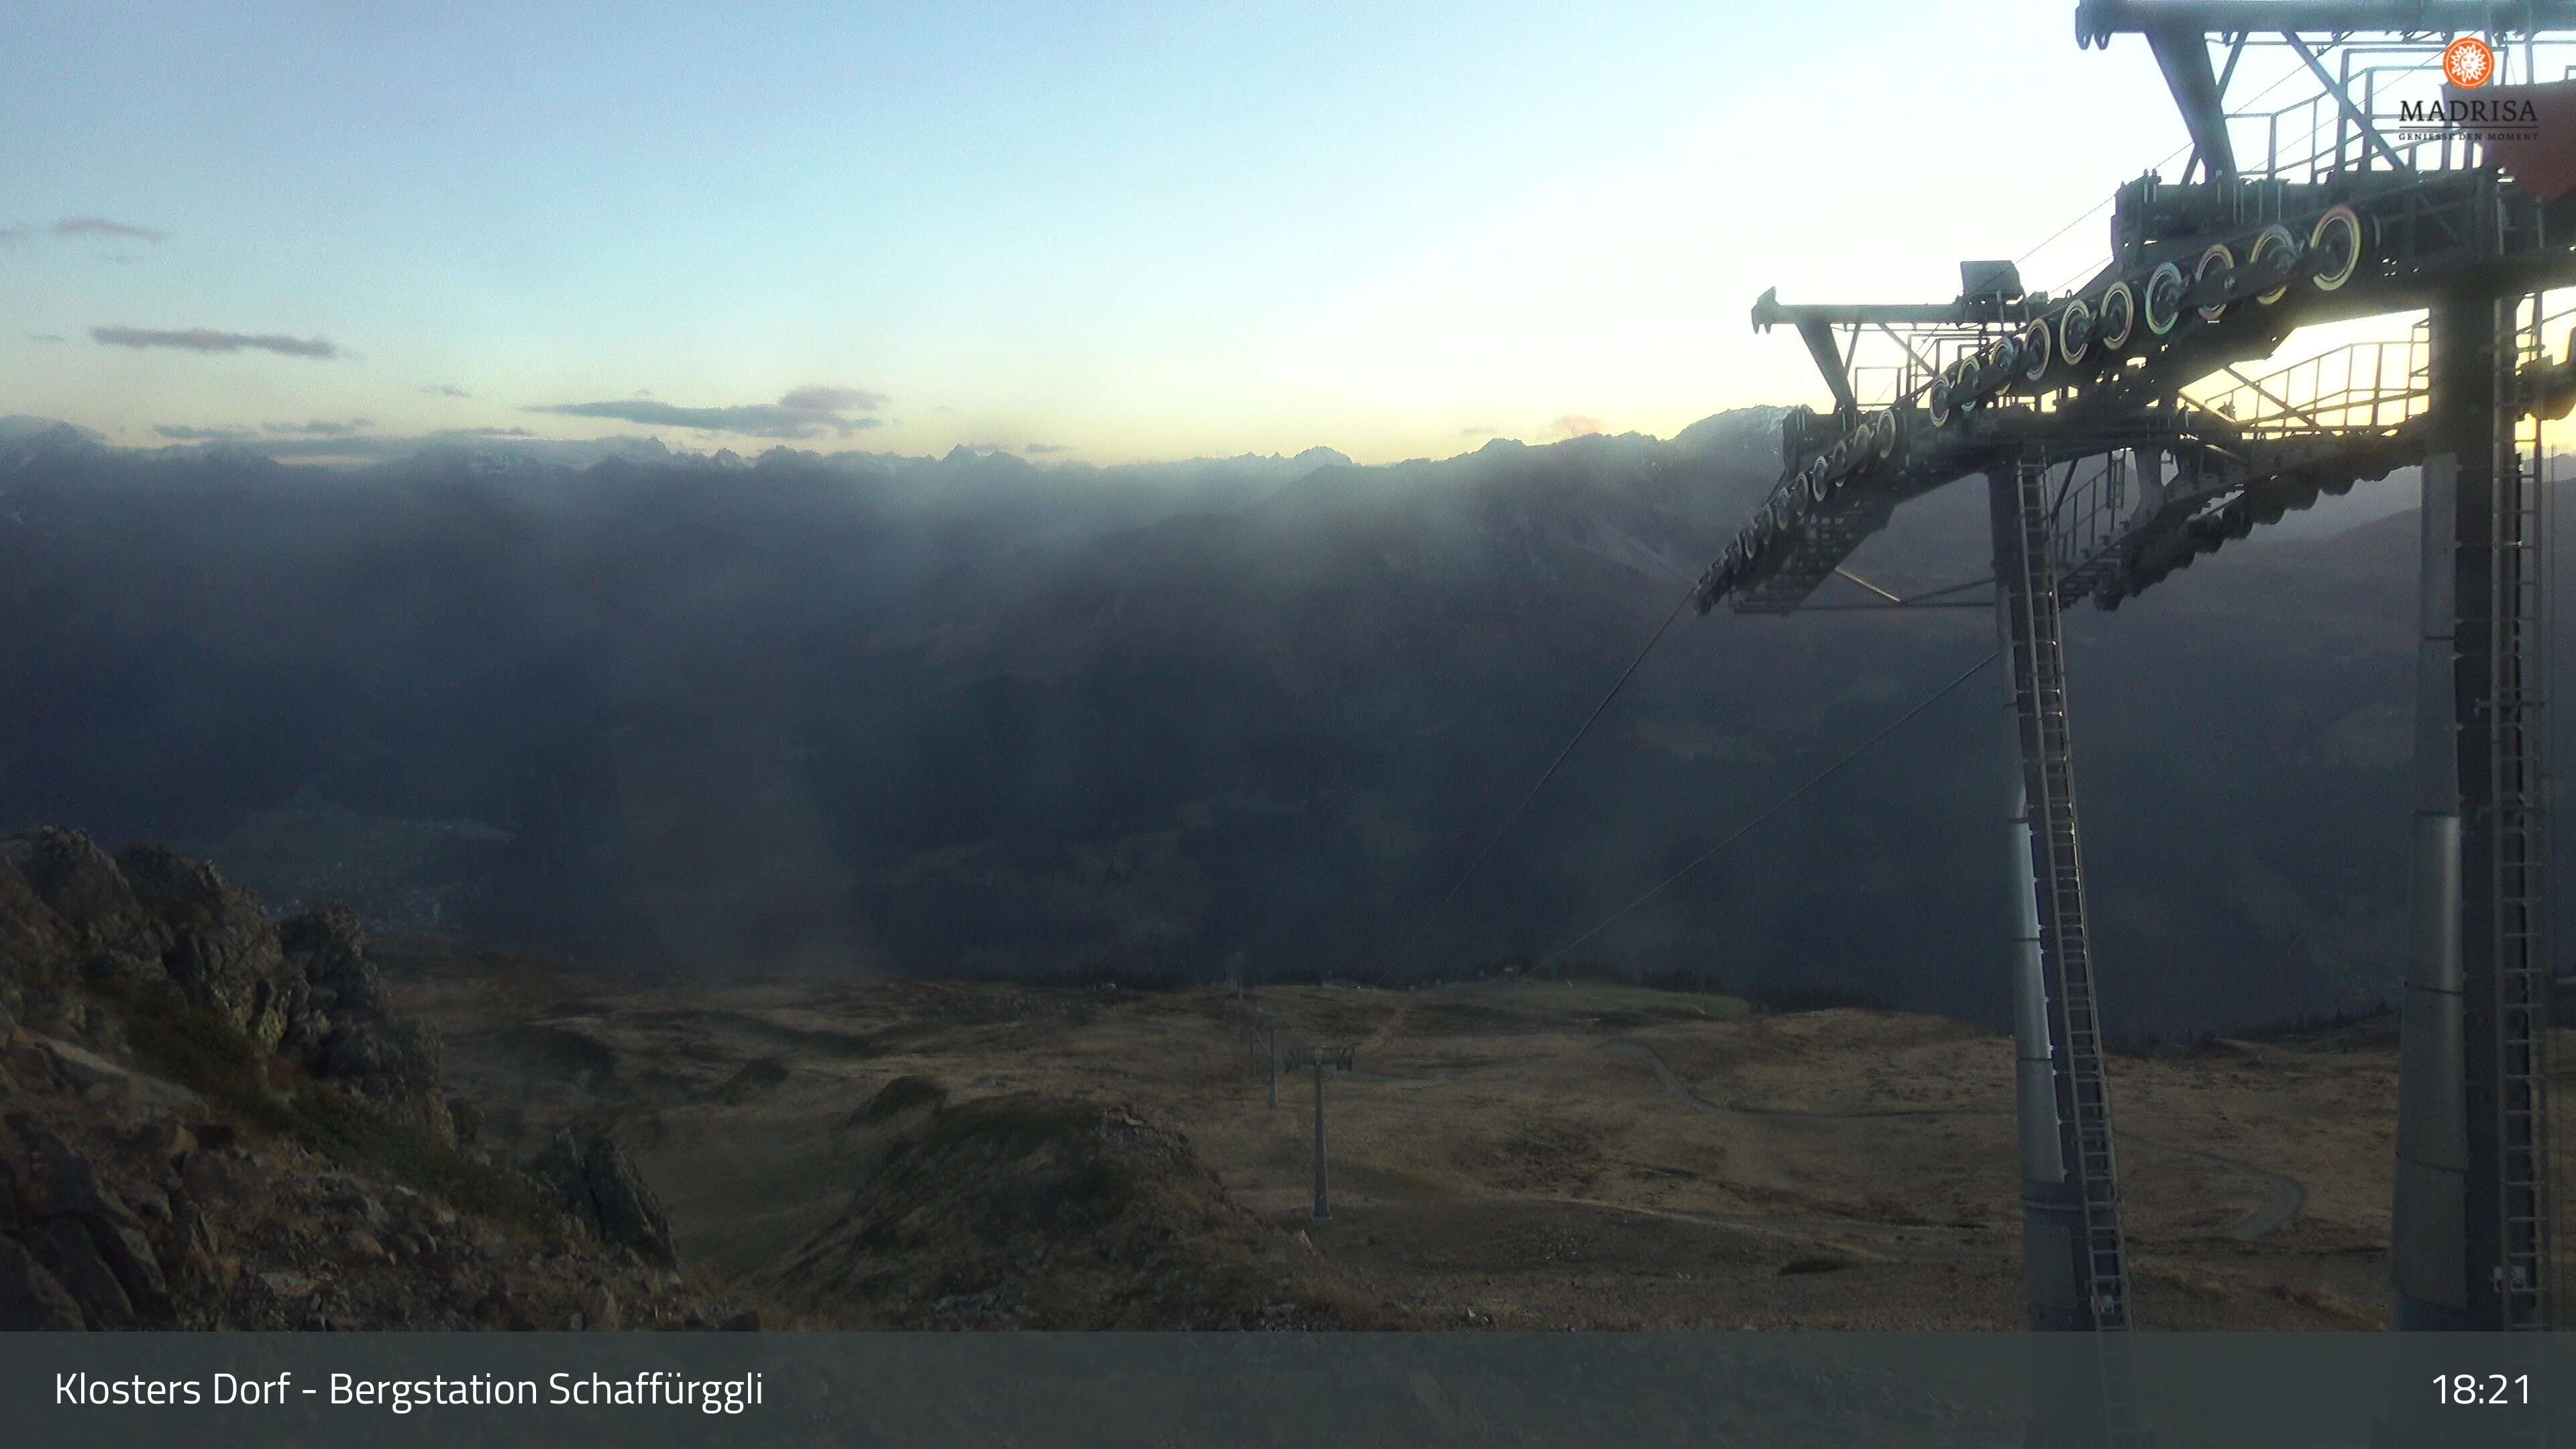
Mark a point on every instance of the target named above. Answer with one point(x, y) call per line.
point(1918, 1244)
point(2288, 1196)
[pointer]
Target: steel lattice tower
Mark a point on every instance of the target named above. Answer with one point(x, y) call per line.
point(2119, 439)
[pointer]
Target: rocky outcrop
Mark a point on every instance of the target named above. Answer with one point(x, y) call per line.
point(115, 1214)
point(32, 1299)
point(149, 919)
point(83, 893)
point(248, 1195)
point(348, 1032)
point(219, 946)
point(606, 1195)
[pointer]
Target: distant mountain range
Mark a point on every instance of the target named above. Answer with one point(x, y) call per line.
point(971, 713)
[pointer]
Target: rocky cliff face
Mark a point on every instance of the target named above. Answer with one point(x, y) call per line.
point(213, 1119)
point(147, 920)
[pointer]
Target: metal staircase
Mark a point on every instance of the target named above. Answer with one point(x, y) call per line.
point(2035, 639)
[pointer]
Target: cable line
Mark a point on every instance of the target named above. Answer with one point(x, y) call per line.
point(1496, 838)
point(1776, 807)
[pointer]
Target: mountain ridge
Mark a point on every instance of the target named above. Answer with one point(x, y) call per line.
point(816, 714)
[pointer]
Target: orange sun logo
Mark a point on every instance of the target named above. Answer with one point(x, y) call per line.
point(2468, 63)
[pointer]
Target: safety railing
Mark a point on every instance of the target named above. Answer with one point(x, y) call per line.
point(2094, 501)
point(2362, 388)
point(2396, 88)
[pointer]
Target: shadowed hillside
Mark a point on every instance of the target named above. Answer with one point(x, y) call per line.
point(967, 715)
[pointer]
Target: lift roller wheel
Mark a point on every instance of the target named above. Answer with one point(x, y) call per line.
point(2267, 251)
point(2001, 357)
point(2118, 316)
point(2163, 301)
point(2038, 349)
point(1884, 434)
point(1936, 401)
point(2218, 262)
point(2075, 332)
point(2336, 247)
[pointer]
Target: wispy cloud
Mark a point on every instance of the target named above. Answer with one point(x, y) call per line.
point(445, 389)
point(366, 448)
point(1035, 448)
point(99, 226)
point(45, 337)
point(206, 339)
point(1571, 425)
point(319, 428)
point(807, 412)
point(1477, 430)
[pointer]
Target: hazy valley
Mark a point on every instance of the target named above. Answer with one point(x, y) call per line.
point(973, 717)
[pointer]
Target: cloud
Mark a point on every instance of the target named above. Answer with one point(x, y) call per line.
point(371, 448)
point(44, 337)
point(75, 227)
point(320, 429)
point(1477, 430)
point(1572, 425)
point(205, 339)
point(1044, 448)
point(445, 389)
point(821, 399)
point(807, 412)
point(99, 226)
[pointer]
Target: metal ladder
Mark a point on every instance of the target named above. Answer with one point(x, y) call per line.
point(2517, 661)
point(2522, 965)
point(2084, 1107)
point(2518, 657)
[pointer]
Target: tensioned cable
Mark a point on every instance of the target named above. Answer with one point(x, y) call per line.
point(1504, 828)
point(1776, 806)
point(2277, 82)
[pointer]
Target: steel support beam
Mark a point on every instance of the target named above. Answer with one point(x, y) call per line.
point(2444, 1247)
point(2096, 21)
point(1819, 337)
point(2183, 55)
point(2075, 1269)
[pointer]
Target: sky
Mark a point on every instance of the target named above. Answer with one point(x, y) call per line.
point(1080, 231)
